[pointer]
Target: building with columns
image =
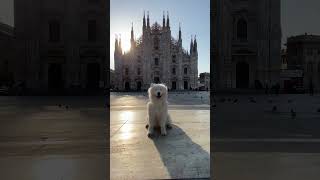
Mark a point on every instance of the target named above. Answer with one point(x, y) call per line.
point(61, 45)
point(247, 43)
point(303, 53)
point(156, 57)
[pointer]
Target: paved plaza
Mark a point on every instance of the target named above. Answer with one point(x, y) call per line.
point(183, 153)
point(254, 141)
point(53, 138)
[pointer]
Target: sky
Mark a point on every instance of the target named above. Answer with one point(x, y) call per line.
point(6, 11)
point(299, 16)
point(194, 16)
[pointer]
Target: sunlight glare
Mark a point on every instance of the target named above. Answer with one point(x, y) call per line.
point(126, 115)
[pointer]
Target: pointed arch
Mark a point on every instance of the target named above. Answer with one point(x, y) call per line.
point(242, 29)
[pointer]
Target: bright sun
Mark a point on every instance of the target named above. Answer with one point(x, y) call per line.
point(125, 44)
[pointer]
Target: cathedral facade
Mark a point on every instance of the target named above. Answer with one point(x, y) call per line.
point(61, 45)
point(247, 43)
point(156, 57)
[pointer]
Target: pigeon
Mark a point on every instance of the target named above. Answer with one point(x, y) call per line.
point(274, 108)
point(235, 100)
point(67, 106)
point(251, 99)
point(59, 105)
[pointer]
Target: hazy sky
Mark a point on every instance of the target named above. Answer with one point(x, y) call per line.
point(6, 11)
point(300, 16)
point(194, 16)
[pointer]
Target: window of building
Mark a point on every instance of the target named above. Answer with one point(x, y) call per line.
point(309, 52)
point(309, 67)
point(156, 80)
point(92, 30)
point(54, 31)
point(156, 43)
point(185, 70)
point(127, 71)
point(138, 71)
point(174, 59)
point(156, 61)
point(295, 51)
point(173, 71)
point(139, 59)
point(242, 30)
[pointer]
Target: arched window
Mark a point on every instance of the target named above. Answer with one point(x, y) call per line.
point(173, 58)
point(156, 61)
point(242, 30)
point(156, 43)
point(185, 70)
point(173, 71)
point(309, 67)
point(54, 31)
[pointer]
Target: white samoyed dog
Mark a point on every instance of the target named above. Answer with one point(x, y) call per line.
point(157, 109)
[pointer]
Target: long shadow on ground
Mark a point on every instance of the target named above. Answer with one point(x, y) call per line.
point(182, 157)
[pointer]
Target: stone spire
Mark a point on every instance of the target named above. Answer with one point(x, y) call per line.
point(144, 20)
point(180, 31)
point(132, 37)
point(191, 46)
point(168, 22)
point(195, 44)
point(163, 21)
point(148, 21)
point(116, 45)
point(120, 47)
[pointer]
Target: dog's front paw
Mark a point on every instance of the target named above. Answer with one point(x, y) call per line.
point(163, 133)
point(150, 135)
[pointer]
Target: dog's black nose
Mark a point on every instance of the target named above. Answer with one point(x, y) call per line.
point(158, 94)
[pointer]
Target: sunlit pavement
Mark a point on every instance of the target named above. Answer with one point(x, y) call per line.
point(41, 140)
point(183, 153)
point(252, 142)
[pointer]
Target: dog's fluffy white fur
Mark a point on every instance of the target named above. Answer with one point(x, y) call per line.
point(157, 109)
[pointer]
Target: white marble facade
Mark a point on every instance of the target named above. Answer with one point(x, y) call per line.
point(156, 57)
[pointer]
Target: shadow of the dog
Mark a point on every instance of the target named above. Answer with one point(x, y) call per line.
point(181, 155)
